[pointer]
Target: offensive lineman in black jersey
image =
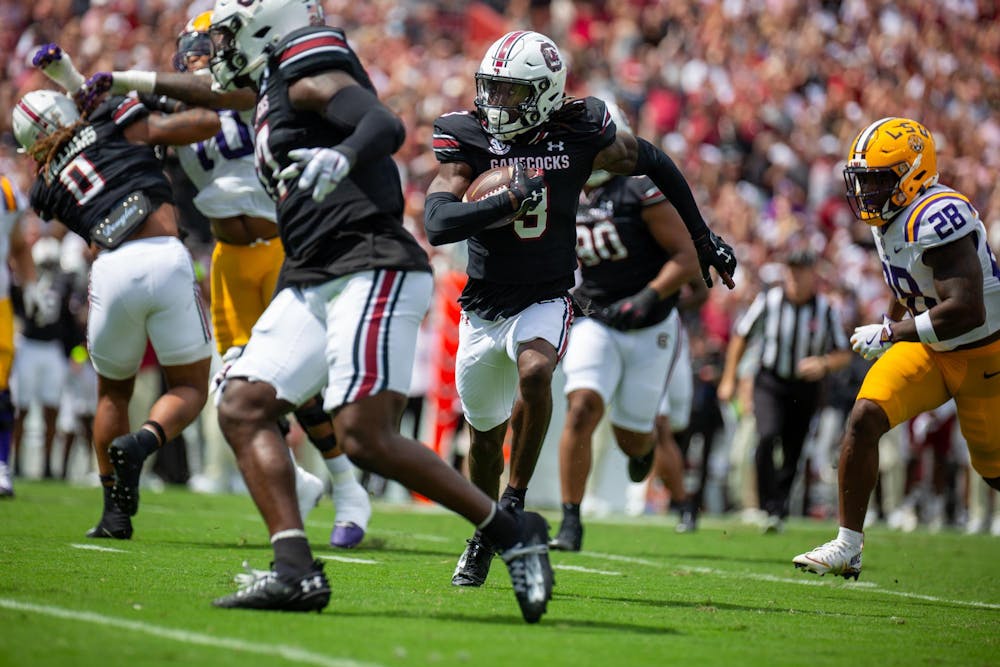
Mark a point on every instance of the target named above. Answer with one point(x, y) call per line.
point(98, 175)
point(516, 306)
point(323, 151)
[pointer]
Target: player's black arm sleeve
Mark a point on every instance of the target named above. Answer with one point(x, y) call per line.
point(376, 131)
point(448, 219)
point(668, 178)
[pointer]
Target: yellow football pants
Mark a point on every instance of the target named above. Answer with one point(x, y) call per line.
point(911, 378)
point(6, 342)
point(243, 279)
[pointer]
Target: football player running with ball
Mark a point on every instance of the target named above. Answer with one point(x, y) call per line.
point(936, 260)
point(516, 308)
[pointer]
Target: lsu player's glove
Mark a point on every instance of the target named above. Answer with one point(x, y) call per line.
point(57, 66)
point(90, 93)
point(872, 340)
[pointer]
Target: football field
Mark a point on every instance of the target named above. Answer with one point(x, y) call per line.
point(638, 594)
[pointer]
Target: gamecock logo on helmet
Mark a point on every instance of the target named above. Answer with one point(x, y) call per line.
point(551, 55)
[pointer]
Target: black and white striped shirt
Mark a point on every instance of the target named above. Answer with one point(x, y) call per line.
point(791, 332)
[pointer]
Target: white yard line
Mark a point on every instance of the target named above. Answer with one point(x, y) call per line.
point(94, 547)
point(348, 559)
point(587, 570)
point(867, 587)
point(283, 651)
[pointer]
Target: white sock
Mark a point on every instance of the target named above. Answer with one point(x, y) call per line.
point(341, 471)
point(851, 537)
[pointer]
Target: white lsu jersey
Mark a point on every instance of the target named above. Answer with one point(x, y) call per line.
point(939, 216)
point(12, 207)
point(222, 169)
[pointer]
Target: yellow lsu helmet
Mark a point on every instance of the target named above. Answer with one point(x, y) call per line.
point(193, 40)
point(890, 163)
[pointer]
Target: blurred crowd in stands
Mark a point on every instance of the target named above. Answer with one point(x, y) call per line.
point(756, 100)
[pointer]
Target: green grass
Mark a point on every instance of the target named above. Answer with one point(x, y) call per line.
point(638, 595)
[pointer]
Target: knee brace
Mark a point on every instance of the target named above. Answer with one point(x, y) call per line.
point(312, 416)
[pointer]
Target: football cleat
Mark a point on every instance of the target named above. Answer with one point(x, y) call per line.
point(773, 525)
point(114, 523)
point(474, 563)
point(6, 483)
point(354, 509)
point(689, 518)
point(834, 557)
point(127, 458)
point(639, 466)
point(570, 535)
point(266, 590)
point(528, 564)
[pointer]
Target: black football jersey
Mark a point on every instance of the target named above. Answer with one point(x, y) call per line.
point(533, 258)
point(359, 225)
point(618, 255)
point(98, 168)
point(51, 317)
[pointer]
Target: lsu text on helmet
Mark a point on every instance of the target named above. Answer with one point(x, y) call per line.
point(244, 32)
point(193, 42)
point(600, 176)
point(520, 82)
point(890, 163)
point(39, 114)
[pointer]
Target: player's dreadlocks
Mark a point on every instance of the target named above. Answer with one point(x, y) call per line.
point(46, 148)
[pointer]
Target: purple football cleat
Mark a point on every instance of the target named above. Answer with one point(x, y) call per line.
point(346, 535)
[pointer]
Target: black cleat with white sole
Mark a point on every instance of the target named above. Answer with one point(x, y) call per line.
point(268, 591)
point(474, 564)
point(528, 564)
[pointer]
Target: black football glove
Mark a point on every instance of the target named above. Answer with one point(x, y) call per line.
point(714, 252)
point(528, 191)
point(630, 312)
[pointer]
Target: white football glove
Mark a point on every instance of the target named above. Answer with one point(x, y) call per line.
point(228, 359)
point(322, 170)
point(872, 340)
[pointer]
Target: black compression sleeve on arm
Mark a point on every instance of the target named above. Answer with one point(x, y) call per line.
point(668, 178)
point(375, 131)
point(448, 219)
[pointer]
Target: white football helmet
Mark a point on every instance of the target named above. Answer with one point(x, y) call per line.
point(243, 33)
point(45, 253)
point(600, 176)
point(39, 114)
point(520, 82)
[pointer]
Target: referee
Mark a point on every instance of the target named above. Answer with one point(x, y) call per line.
point(802, 339)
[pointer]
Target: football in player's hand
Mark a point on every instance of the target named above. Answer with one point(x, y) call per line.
point(491, 182)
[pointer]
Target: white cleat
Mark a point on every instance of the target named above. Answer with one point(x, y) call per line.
point(308, 491)
point(834, 557)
